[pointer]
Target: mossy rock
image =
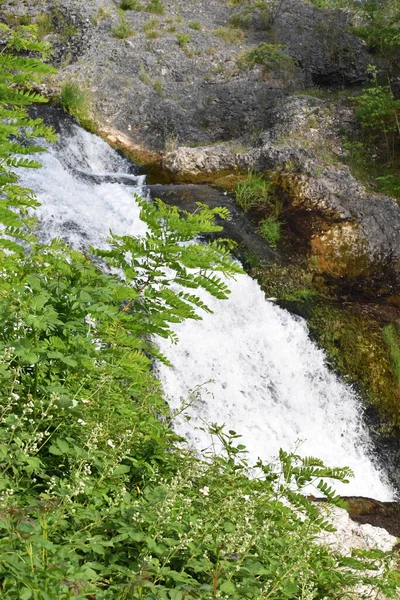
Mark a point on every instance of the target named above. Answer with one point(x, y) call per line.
point(356, 346)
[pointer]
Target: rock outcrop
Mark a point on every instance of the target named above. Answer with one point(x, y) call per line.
point(160, 89)
point(357, 229)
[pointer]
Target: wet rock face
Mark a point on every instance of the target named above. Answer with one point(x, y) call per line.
point(378, 514)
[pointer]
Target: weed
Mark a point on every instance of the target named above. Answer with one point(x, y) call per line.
point(195, 25)
point(130, 5)
point(156, 7)
point(158, 87)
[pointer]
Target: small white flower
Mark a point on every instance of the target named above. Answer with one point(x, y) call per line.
point(14, 395)
point(89, 321)
point(86, 401)
point(111, 443)
point(204, 490)
point(82, 422)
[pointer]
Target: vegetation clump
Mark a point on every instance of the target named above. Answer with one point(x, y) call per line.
point(123, 29)
point(230, 35)
point(183, 39)
point(270, 229)
point(269, 56)
point(252, 191)
point(153, 6)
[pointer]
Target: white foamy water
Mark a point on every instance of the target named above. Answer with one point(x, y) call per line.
point(74, 207)
point(271, 382)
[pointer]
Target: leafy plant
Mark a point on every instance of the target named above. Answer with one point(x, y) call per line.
point(240, 20)
point(74, 99)
point(18, 133)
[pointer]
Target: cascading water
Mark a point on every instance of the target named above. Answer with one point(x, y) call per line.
point(270, 381)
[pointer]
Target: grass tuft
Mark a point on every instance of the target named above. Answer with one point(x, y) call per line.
point(230, 35)
point(252, 191)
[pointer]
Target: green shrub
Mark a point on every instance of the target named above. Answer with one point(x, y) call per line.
point(270, 56)
point(379, 110)
point(240, 20)
point(153, 6)
point(252, 191)
point(14, 20)
point(230, 35)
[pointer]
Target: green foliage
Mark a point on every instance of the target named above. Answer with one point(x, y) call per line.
point(130, 5)
point(156, 7)
point(379, 110)
point(252, 191)
point(270, 56)
point(240, 20)
point(18, 132)
point(379, 25)
point(270, 229)
point(376, 21)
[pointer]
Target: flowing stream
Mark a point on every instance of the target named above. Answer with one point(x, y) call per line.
point(262, 375)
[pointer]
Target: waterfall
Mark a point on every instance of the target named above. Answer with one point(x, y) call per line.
point(263, 377)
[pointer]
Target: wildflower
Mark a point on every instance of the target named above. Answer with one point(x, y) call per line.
point(85, 401)
point(111, 443)
point(82, 422)
point(205, 490)
point(89, 321)
point(14, 395)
